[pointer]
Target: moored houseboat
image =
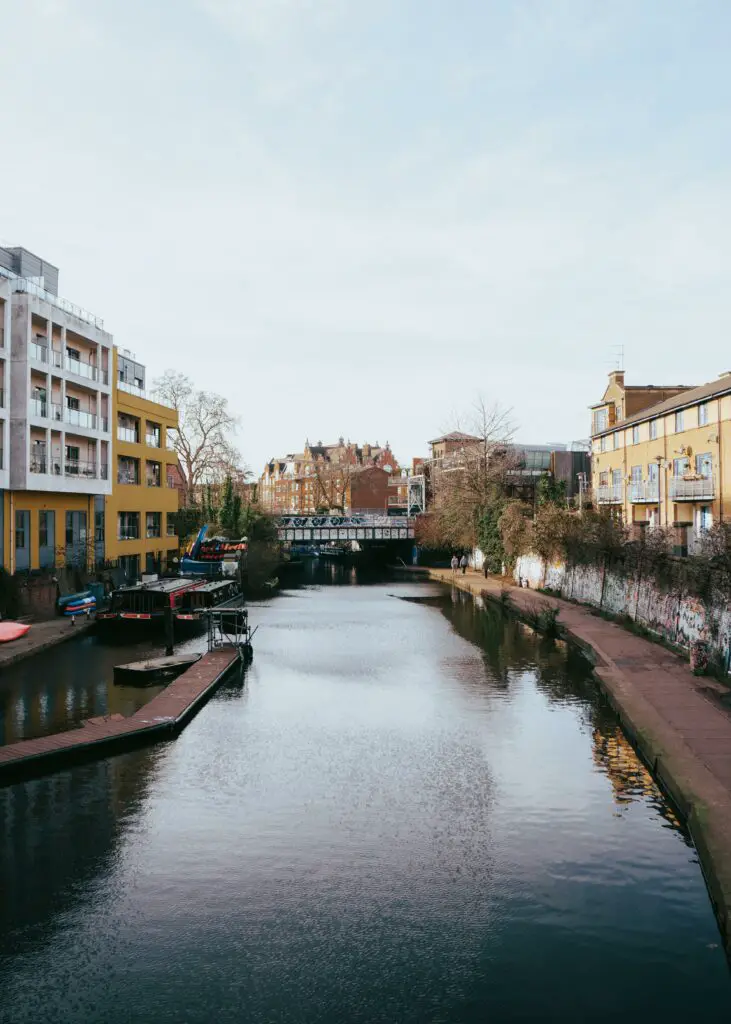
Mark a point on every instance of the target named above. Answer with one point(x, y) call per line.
point(148, 603)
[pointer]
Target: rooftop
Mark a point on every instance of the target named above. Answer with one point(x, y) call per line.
point(689, 396)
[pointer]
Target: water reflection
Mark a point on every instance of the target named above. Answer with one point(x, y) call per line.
point(411, 810)
point(60, 688)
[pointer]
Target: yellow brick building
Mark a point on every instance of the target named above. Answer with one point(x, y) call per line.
point(661, 456)
point(140, 511)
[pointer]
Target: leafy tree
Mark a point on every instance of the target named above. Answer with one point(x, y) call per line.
point(550, 491)
point(226, 511)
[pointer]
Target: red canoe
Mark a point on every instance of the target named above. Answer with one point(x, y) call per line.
point(11, 631)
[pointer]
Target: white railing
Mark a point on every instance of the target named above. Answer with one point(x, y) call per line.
point(39, 352)
point(83, 368)
point(610, 494)
point(692, 489)
point(644, 490)
point(79, 418)
point(131, 389)
point(127, 434)
point(22, 284)
point(39, 407)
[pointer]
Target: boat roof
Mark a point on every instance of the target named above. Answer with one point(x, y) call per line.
point(168, 586)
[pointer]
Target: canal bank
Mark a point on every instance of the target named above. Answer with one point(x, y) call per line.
point(683, 736)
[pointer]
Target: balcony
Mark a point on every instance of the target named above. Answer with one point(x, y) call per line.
point(80, 418)
point(152, 440)
point(39, 407)
point(692, 488)
point(39, 352)
point(610, 494)
point(127, 434)
point(81, 467)
point(86, 369)
point(644, 491)
point(131, 389)
point(129, 477)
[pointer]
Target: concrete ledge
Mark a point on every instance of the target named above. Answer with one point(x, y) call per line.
point(42, 636)
point(677, 731)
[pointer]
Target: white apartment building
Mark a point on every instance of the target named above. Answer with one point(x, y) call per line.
point(55, 415)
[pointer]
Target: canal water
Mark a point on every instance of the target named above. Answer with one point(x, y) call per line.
point(410, 809)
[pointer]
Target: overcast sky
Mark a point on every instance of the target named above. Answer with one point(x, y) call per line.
point(352, 216)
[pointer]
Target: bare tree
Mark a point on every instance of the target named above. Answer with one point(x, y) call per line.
point(471, 478)
point(332, 477)
point(201, 440)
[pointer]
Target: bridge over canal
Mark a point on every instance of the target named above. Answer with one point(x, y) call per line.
point(359, 526)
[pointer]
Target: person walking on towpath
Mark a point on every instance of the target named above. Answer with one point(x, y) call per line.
point(455, 564)
point(463, 563)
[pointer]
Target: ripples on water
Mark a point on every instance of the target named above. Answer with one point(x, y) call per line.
point(410, 810)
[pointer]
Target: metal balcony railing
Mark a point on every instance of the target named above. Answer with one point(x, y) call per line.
point(644, 490)
point(38, 464)
point(39, 407)
point(125, 476)
point(80, 467)
point(700, 488)
point(610, 494)
point(39, 352)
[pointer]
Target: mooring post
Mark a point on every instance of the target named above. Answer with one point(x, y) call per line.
point(169, 631)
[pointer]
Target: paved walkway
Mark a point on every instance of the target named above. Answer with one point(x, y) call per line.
point(40, 637)
point(673, 717)
point(164, 716)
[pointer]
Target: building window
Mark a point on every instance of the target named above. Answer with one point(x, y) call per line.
point(128, 525)
point(704, 465)
point(73, 353)
point(72, 458)
point(170, 525)
point(703, 415)
point(616, 478)
point(600, 420)
point(43, 529)
point(653, 429)
point(681, 467)
point(653, 471)
point(152, 474)
point(603, 443)
point(636, 474)
point(99, 526)
point(615, 440)
point(636, 434)
point(154, 524)
point(71, 402)
point(153, 434)
point(128, 470)
point(679, 421)
point(20, 529)
point(705, 518)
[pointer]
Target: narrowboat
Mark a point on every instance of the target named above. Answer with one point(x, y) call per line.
point(146, 604)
